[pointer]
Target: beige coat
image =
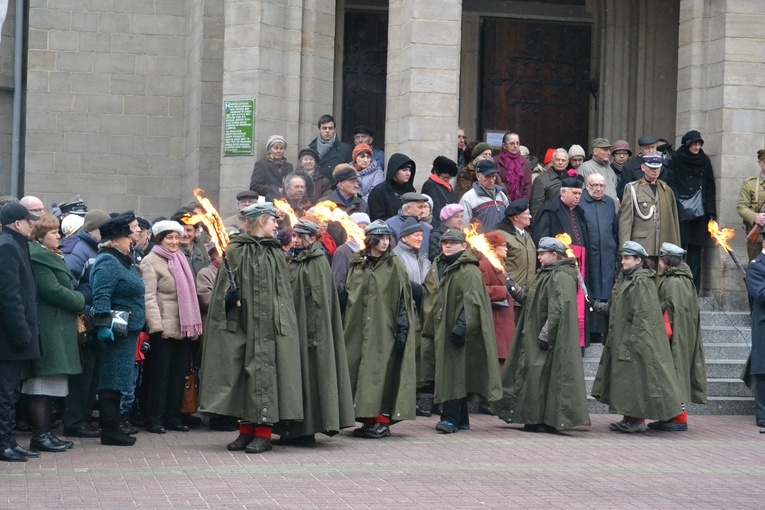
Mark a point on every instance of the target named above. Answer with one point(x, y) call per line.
point(161, 296)
point(660, 209)
point(205, 284)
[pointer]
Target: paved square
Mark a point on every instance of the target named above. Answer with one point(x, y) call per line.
point(718, 463)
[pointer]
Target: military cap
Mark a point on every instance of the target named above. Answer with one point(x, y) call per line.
point(671, 250)
point(634, 249)
point(552, 244)
point(652, 160)
point(517, 207)
point(77, 207)
point(454, 234)
point(306, 227)
point(377, 227)
point(255, 210)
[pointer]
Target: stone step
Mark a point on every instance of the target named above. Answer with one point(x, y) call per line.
point(716, 387)
point(726, 334)
point(738, 350)
point(735, 319)
point(714, 405)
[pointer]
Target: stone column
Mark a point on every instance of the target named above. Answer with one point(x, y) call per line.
point(423, 80)
point(261, 61)
point(720, 93)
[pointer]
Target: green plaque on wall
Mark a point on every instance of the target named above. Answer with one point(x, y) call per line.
point(239, 126)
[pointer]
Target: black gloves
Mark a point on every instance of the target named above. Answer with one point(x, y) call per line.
point(543, 339)
point(416, 294)
point(515, 291)
point(600, 307)
point(459, 330)
point(543, 345)
point(233, 296)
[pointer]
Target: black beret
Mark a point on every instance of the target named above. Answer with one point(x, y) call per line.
point(517, 207)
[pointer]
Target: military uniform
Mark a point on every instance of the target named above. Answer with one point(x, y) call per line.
point(751, 200)
point(649, 216)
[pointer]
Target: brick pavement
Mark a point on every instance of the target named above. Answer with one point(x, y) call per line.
point(716, 464)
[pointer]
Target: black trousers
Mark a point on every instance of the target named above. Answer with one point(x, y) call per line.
point(693, 259)
point(10, 386)
point(759, 398)
point(163, 377)
point(456, 412)
point(78, 405)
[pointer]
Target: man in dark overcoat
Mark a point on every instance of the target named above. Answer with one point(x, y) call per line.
point(603, 230)
point(19, 335)
point(755, 285)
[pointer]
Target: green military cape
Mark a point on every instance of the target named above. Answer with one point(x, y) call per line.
point(677, 295)
point(327, 396)
point(547, 386)
point(636, 375)
point(57, 307)
point(427, 353)
point(473, 368)
point(383, 380)
point(251, 359)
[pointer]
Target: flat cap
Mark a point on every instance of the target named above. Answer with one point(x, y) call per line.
point(306, 227)
point(410, 226)
point(517, 207)
point(671, 250)
point(552, 244)
point(255, 210)
point(600, 143)
point(652, 160)
point(344, 172)
point(486, 167)
point(647, 140)
point(363, 130)
point(634, 249)
point(454, 234)
point(377, 227)
point(247, 194)
point(413, 197)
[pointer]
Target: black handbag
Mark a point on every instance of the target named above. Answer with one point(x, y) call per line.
point(117, 321)
point(690, 208)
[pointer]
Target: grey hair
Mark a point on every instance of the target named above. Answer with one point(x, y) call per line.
point(560, 149)
point(288, 179)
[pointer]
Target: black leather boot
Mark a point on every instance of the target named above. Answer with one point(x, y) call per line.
point(109, 411)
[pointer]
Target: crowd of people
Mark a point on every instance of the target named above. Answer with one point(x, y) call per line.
point(488, 285)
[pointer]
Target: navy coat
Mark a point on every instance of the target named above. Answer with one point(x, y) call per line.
point(755, 284)
point(603, 231)
point(19, 333)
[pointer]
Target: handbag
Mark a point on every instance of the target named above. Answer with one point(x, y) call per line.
point(690, 208)
point(117, 320)
point(500, 304)
point(190, 402)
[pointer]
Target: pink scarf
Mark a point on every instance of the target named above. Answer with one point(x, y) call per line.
point(514, 176)
point(188, 305)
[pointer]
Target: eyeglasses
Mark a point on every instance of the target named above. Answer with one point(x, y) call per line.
point(39, 209)
point(596, 186)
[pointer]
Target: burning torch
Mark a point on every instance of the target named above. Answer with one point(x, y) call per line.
point(211, 219)
point(722, 236)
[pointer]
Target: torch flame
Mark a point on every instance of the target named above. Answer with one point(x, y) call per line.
point(721, 235)
point(328, 211)
point(479, 243)
point(211, 220)
point(284, 206)
point(566, 239)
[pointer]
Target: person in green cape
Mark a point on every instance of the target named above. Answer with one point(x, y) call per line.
point(251, 357)
point(543, 377)
point(465, 345)
point(636, 376)
point(680, 304)
point(327, 398)
point(379, 336)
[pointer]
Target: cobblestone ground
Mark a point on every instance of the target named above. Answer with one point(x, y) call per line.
point(718, 463)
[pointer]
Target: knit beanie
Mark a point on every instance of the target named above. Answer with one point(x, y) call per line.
point(479, 149)
point(94, 219)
